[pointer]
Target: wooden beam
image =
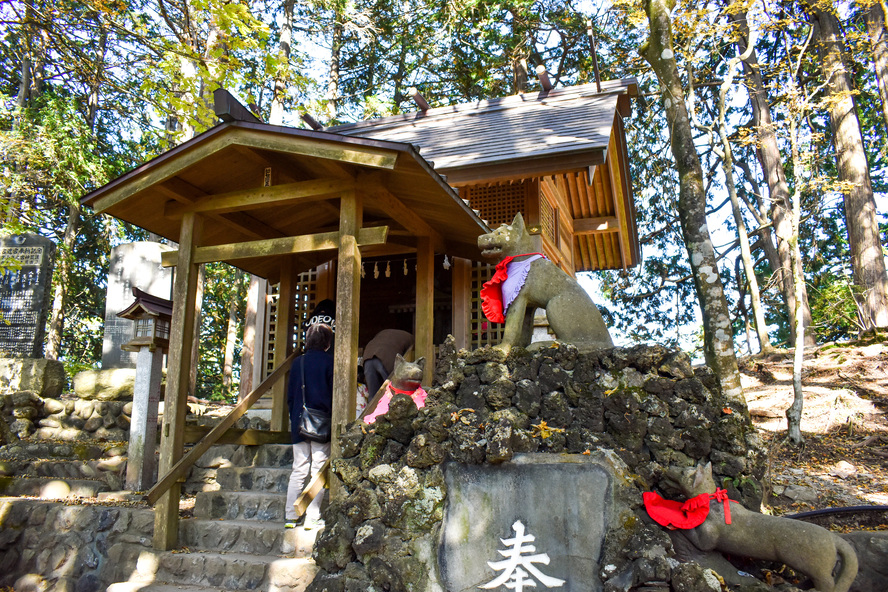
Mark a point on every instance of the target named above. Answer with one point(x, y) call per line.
point(513, 170)
point(348, 302)
point(283, 342)
point(186, 193)
point(301, 191)
point(424, 343)
point(325, 241)
point(404, 216)
point(195, 433)
point(337, 151)
point(462, 301)
point(185, 305)
point(598, 225)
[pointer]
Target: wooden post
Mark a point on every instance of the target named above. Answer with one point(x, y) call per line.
point(185, 307)
point(348, 302)
point(283, 344)
point(425, 309)
point(260, 361)
point(462, 301)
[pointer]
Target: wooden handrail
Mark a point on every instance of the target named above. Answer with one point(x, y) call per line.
point(180, 468)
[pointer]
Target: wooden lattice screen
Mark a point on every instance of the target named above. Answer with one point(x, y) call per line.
point(305, 297)
point(481, 331)
point(549, 221)
point(497, 204)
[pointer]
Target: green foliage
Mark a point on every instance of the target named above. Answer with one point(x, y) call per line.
point(223, 285)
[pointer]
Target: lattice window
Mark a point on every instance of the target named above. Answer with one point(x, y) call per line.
point(305, 299)
point(499, 203)
point(481, 331)
point(549, 221)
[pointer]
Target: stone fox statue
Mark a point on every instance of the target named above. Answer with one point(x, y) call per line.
point(571, 313)
point(808, 548)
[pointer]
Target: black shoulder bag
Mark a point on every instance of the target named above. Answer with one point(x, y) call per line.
point(315, 424)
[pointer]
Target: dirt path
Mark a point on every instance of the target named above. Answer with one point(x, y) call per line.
point(844, 459)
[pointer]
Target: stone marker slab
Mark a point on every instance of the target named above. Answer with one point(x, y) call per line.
point(563, 502)
point(25, 294)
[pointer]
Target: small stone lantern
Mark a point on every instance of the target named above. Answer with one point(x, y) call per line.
point(151, 316)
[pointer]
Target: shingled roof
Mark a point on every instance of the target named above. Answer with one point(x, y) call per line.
point(571, 124)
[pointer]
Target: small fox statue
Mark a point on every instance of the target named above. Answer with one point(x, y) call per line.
point(805, 547)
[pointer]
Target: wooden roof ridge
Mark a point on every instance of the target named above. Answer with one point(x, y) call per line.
point(517, 101)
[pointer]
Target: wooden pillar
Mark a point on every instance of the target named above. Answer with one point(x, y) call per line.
point(425, 306)
point(185, 309)
point(348, 302)
point(283, 344)
point(462, 301)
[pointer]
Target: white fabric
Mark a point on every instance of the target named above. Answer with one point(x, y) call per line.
point(517, 275)
point(308, 457)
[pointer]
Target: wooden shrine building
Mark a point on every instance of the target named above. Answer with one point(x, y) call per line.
point(361, 214)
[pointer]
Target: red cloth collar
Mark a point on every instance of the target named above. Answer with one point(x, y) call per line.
point(684, 515)
point(492, 293)
point(400, 391)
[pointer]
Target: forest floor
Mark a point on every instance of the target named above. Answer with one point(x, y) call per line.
point(843, 460)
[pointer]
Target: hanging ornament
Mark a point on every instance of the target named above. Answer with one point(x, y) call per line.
point(376, 271)
point(405, 267)
point(363, 274)
point(388, 269)
point(446, 262)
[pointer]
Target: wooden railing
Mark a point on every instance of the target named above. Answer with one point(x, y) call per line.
point(181, 468)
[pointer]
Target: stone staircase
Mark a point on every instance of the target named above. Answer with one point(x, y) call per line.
point(236, 539)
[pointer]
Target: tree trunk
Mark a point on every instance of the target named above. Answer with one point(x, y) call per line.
point(251, 322)
point(335, 62)
point(745, 252)
point(276, 117)
point(772, 168)
point(875, 28)
point(794, 413)
point(63, 271)
point(867, 260)
point(231, 336)
point(195, 349)
point(60, 290)
point(717, 334)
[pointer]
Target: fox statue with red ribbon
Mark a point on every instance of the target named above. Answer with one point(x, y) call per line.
point(524, 281)
point(730, 528)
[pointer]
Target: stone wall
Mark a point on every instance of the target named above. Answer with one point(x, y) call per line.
point(645, 404)
point(29, 415)
point(51, 545)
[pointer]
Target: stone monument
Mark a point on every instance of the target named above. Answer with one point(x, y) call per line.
point(538, 521)
point(133, 265)
point(24, 294)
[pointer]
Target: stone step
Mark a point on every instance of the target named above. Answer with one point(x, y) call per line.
point(253, 478)
point(232, 455)
point(214, 571)
point(247, 536)
point(240, 505)
point(51, 488)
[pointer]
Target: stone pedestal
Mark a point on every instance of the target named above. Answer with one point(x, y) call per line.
point(141, 463)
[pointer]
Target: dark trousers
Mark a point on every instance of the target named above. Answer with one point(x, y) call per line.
point(375, 374)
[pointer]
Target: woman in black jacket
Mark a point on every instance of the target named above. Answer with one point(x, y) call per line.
point(311, 374)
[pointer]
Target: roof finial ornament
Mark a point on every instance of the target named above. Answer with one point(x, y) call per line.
point(418, 99)
point(543, 75)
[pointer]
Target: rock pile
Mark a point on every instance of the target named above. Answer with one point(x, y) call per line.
point(647, 404)
point(28, 414)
